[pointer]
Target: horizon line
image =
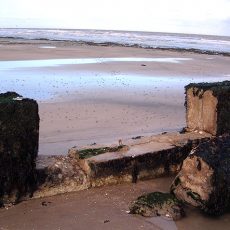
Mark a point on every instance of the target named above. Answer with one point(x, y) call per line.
point(133, 31)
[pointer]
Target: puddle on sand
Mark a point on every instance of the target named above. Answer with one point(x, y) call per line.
point(33, 79)
point(47, 47)
point(46, 85)
point(9, 65)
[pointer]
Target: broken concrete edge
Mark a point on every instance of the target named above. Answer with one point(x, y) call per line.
point(58, 175)
point(150, 165)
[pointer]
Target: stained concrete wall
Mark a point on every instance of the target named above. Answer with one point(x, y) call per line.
point(201, 111)
point(208, 107)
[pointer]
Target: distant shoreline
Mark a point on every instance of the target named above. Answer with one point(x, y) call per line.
point(112, 44)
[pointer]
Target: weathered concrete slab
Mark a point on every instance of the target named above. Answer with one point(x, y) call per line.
point(144, 158)
point(138, 159)
point(208, 107)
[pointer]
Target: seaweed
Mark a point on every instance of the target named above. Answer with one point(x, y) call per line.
point(87, 153)
point(157, 198)
point(157, 204)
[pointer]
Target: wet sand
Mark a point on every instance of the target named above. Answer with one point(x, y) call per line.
point(101, 208)
point(106, 100)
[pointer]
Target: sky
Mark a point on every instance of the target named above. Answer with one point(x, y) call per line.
point(179, 16)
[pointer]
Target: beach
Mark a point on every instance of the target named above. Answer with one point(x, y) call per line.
point(91, 94)
point(102, 208)
point(117, 93)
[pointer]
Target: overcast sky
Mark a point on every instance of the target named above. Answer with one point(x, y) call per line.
point(182, 16)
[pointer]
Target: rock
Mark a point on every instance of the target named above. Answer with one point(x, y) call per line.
point(158, 204)
point(204, 179)
point(59, 174)
point(19, 132)
point(208, 107)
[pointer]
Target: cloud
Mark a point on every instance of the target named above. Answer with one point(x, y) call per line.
point(192, 16)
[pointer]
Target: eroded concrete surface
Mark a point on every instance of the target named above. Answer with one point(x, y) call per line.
point(142, 158)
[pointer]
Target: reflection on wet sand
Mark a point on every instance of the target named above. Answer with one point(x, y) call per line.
point(88, 100)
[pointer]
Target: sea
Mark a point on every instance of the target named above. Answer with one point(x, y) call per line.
point(191, 42)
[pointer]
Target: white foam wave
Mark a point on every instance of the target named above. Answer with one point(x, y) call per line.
point(143, 39)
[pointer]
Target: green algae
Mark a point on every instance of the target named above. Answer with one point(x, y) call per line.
point(8, 97)
point(91, 152)
point(158, 204)
point(157, 198)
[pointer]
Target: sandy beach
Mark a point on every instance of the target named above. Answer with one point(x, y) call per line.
point(117, 93)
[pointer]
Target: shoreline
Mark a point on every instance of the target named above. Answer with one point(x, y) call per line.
point(117, 44)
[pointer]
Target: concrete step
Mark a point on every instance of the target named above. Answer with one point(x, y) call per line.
point(143, 158)
point(136, 159)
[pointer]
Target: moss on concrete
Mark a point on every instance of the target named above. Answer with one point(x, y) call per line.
point(87, 153)
point(8, 97)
